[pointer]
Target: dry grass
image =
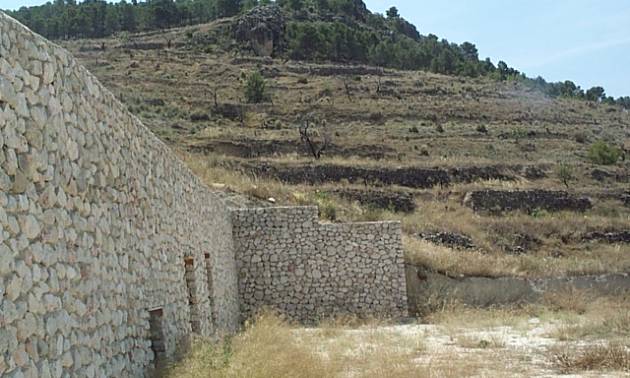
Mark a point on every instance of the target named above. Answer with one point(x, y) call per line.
point(458, 316)
point(563, 307)
point(615, 357)
point(596, 318)
point(460, 341)
point(571, 300)
point(607, 259)
point(272, 348)
point(477, 342)
point(266, 348)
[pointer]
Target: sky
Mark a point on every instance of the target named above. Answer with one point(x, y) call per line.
point(586, 41)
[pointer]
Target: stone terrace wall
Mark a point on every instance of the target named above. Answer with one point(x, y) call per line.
point(290, 262)
point(96, 219)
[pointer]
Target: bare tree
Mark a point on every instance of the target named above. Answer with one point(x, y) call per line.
point(307, 136)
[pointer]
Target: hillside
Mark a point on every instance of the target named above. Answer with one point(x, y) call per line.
point(420, 147)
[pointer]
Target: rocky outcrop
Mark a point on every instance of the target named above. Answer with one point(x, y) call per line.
point(382, 199)
point(262, 28)
point(531, 172)
point(525, 200)
point(411, 177)
point(602, 175)
point(449, 239)
point(318, 174)
point(518, 244)
point(255, 148)
point(612, 237)
point(470, 174)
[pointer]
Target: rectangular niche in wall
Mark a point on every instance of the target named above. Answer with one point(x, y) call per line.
point(156, 334)
point(209, 274)
point(189, 275)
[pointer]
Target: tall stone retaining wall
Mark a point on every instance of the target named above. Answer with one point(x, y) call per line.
point(290, 262)
point(103, 232)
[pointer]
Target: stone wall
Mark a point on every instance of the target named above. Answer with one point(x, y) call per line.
point(495, 201)
point(96, 219)
point(290, 262)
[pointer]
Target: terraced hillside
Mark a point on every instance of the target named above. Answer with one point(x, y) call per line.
point(489, 178)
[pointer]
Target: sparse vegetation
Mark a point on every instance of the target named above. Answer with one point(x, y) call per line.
point(482, 129)
point(565, 174)
point(615, 357)
point(453, 341)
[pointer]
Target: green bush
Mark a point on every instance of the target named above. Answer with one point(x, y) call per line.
point(255, 88)
point(327, 210)
point(601, 153)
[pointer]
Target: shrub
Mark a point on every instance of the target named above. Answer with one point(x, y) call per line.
point(565, 174)
point(327, 210)
point(611, 356)
point(255, 88)
point(424, 150)
point(601, 153)
point(482, 129)
point(326, 92)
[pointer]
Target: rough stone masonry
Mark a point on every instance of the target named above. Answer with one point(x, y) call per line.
point(290, 262)
point(113, 253)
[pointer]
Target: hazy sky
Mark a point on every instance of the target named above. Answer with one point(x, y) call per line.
point(587, 41)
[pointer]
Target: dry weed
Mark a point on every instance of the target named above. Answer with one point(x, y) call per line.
point(615, 357)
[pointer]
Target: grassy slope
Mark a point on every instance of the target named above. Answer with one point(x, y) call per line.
point(172, 91)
